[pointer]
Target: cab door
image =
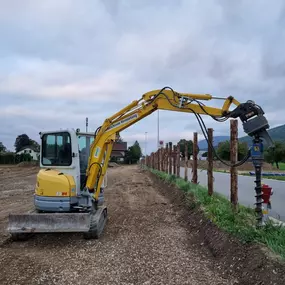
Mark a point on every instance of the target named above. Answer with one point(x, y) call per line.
point(59, 150)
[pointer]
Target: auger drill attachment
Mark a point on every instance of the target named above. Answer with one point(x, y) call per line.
point(255, 125)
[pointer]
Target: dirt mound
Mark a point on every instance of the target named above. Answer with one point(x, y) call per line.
point(113, 164)
point(28, 163)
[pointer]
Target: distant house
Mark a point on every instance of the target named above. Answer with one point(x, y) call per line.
point(119, 150)
point(31, 151)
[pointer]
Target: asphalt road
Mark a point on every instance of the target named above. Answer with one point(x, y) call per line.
point(246, 192)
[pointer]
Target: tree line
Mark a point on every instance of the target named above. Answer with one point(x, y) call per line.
point(134, 152)
point(272, 156)
point(21, 141)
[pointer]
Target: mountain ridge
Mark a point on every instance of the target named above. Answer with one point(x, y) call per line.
point(276, 133)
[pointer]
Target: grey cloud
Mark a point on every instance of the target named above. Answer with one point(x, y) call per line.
point(61, 61)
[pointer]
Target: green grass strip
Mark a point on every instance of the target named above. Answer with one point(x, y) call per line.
point(218, 209)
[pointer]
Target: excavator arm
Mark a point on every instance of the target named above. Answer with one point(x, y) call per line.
point(251, 115)
point(149, 102)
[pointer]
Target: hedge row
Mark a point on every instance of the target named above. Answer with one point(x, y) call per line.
point(11, 158)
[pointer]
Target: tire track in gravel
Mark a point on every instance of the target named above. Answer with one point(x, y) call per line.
point(143, 243)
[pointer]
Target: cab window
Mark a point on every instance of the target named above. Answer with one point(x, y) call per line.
point(56, 149)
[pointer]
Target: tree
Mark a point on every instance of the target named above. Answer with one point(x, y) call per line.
point(134, 153)
point(21, 141)
point(275, 155)
point(2, 148)
point(224, 152)
point(24, 140)
point(182, 147)
point(35, 145)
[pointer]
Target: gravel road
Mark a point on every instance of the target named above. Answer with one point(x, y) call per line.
point(143, 242)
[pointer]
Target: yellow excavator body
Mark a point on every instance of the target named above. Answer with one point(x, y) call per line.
point(53, 183)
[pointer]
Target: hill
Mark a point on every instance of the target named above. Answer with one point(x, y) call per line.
point(203, 145)
point(277, 134)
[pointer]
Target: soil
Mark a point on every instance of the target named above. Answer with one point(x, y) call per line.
point(152, 237)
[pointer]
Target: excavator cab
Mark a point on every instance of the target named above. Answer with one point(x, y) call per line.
point(59, 201)
point(63, 161)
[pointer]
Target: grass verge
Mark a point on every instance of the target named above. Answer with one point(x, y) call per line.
point(218, 209)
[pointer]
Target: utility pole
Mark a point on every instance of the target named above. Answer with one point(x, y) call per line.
point(86, 124)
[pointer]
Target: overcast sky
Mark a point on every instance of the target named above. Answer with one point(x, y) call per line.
point(63, 61)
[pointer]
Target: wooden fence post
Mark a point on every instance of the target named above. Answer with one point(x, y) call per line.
point(195, 157)
point(158, 159)
point(178, 160)
point(210, 163)
point(186, 162)
point(163, 159)
point(166, 159)
point(174, 159)
point(170, 158)
point(234, 158)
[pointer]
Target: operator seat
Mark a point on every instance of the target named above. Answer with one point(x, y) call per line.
point(65, 156)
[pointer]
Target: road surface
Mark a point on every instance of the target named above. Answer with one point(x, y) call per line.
point(246, 192)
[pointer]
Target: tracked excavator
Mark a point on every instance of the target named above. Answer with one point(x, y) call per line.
point(69, 188)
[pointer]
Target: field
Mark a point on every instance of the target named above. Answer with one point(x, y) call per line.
point(151, 237)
